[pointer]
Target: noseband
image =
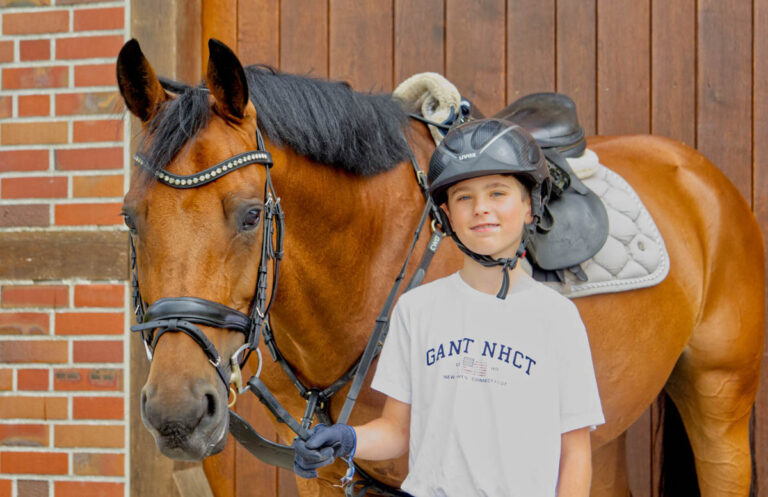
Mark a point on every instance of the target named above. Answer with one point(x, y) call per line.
point(182, 314)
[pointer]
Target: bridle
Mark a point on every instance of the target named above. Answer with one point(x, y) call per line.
point(182, 314)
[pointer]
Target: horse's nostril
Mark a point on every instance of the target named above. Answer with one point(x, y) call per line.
point(211, 404)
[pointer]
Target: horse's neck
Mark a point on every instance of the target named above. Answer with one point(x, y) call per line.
point(346, 238)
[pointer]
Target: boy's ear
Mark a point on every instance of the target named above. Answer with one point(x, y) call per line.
point(447, 211)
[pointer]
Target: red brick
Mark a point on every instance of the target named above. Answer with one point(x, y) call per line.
point(88, 489)
point(44, 21)
point(26, 435)
point(98, 408)
point(35, 77)
point(24, 215)
point(48, 187)
point(35, 49)
point(34, 133)
point(105, 379)
point(32, 488)
point(105, 130)
point(89, 159)
point(89, 436)
point(33, 408)
point(23, 160)
point(32, 379)
point(95, 75)
point(23, 323)
point(97, 186)
point(12, 351)
point(85, 47)
point(6, 106)
point(99, 19)
point(87, 214)
point(90, 323)
point(6, 51)
point(37, 463)
point(34, 105)
point(97, 351)
point(35, 296)
point(99, 295)
point(6, 488)
point(98, 464)
point(6, 379)
point(88, 103)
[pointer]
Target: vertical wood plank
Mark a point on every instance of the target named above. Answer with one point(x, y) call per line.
point(474, 51)
point(725, 88)
point(419, 37)
point(760, 207)
point(360, 48)
point(576, 38)
point(623, 67)
point(219, 20)
point(304, 37)
point(673, 59)
point(530, 47)
point(258, 32)
point(639, 460)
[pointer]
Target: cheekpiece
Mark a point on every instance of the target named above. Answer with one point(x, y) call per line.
point(208, 175)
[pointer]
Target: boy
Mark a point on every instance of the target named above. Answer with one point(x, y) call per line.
point(488, 373)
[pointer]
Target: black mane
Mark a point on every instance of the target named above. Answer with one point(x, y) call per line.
point(325, 121)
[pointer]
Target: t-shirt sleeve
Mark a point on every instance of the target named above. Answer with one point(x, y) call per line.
point(579, 398)
point(393, 373)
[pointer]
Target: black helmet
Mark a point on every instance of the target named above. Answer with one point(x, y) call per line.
point(482, 148)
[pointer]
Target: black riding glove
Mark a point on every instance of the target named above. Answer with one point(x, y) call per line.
point(324, 445)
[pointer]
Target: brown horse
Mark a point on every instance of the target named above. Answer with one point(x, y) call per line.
point(698, 334)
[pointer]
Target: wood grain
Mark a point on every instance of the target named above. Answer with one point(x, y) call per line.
point(360, 47)
point(474, 51)
point(258, 32)
point(673, 57)
point(576, 43)
point(725, 88)
point(219, 20)
point(419, 38)
point(304, 37)
point(530, 47)
point(191, 482)
point(623, 67)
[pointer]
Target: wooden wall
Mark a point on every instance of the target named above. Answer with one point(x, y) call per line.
point(694, 70)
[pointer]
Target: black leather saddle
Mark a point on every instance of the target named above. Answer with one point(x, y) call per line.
point(575, 224)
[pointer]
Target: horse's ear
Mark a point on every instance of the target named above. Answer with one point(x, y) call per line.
point(226, 80)
point(138, 84)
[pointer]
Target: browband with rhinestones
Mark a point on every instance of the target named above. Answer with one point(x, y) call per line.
point(210, 174)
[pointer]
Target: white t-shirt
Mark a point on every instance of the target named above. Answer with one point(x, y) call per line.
point(492, 385)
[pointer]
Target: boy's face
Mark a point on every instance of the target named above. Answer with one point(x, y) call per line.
point(488, 214)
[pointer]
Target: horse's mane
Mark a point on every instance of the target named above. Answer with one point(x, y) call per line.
point(325, 121)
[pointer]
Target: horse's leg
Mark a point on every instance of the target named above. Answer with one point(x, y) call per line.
point(715, 380)
point(609, 470)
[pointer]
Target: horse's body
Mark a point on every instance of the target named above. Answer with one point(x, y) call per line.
point(699, 333)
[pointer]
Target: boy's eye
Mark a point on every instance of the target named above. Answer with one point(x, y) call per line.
point(498, 193)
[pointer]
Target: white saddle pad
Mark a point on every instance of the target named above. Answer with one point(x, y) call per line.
point(634, 256)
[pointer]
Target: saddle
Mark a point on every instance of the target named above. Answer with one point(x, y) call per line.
point(575, 223)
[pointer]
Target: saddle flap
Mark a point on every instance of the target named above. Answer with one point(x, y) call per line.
point(578, 230)
point(551, 119)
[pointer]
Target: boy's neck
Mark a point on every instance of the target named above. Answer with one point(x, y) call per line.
point(488, 279)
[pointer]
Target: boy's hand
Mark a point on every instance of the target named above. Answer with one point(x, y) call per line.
point(322, 447)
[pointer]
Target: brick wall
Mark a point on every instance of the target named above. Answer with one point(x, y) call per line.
point(63, 263)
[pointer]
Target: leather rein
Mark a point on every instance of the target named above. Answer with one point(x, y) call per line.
point(182, 314)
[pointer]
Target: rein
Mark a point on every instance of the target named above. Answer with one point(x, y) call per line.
point(181, 314)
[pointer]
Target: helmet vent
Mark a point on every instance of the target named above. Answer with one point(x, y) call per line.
point(484, 133)
point(454, 142)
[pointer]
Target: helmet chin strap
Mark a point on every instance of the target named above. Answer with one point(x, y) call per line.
point(506, 263)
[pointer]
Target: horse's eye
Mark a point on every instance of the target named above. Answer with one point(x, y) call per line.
point(128, 220)
point(250, 219)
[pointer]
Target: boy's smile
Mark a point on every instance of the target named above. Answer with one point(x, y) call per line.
point(488, 214)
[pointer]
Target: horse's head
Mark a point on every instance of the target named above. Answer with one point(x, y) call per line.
point(191, 242)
